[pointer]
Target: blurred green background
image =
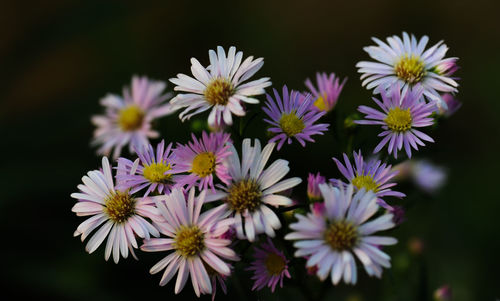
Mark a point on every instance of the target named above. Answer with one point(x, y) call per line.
point(58, 58)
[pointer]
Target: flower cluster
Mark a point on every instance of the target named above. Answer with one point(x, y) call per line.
point(196, 202)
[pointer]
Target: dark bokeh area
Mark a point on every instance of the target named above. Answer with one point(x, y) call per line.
point(58, 58)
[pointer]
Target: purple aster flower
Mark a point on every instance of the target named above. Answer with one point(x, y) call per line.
point(292, 118)
point(193, 241)
point(270, 266)
point(405, 61)
point(452, 105)
point(122, 214)
point(313, 181)
point(149, 170)
point(203, 159)
point(128, 119)
point(372, 175)
point(399, 215)
point(401, 115)
point(327, 92)
point(221, 87)
point(343, 230)
point(427, 176)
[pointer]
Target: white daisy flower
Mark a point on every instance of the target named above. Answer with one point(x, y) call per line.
point(123, 215)
point(219, 86)
point(252, 190)
point(408, 62)
point(128, 119)
point(329, 238)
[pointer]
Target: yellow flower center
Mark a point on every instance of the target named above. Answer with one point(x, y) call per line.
point(245, 194)
point(204, 164)
point(119, 207)
point(218, 91)
point(155, 172)
point(411, 69)
point(275, 264)
point(189, 241)
point(291, 124)
point(398, 120)
point(366, 182)
point(130, 118)
point(341, 235)
point(321, 103)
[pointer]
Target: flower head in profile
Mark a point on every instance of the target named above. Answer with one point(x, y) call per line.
point(192, 241)
point(327, 90)
point(153, 170)
point(128, 118)
point(400, 116)
point(344, 231)
point(452, 105)
point(407, 62)
point(290, 117)
point(373, 176)
point(269, 267)
point(203, 160)
point(313, 181)
point(122, 214)
point(219, 87)
point(253, 190)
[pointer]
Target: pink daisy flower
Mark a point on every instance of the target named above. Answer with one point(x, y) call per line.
point(343, 229)
point(203, 159)
point(219, 87)
point(192, 240)
point(372, 176)
point(123, 215)
point(292, 118)
point(149, 170)
point(313, 181)
point(128, 118)
point(270, 266)
point(401, 115)
point(327, 92)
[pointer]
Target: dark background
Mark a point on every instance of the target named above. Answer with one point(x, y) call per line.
point(58, 58)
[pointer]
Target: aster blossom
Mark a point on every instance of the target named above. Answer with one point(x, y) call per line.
point(290, 117)
point(153, 170)
point(373, 175)
point(219, 87)
point(345, 229)
point(128, 118)
point(327, 90)
point(400, 116)
point(193, 240)
point(407, 62)
point(203, 160)
point(253, 189)
point(122, 214)
point(313, 181)
point(270, 266)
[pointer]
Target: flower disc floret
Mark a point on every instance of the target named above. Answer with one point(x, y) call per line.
point(119, 207)
point(189, 241)
point(155, 172)
point(399, 120)
point(342, 235)
point(218, 91)
point(411, 69)
point(204, 164)
point(244, 195)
